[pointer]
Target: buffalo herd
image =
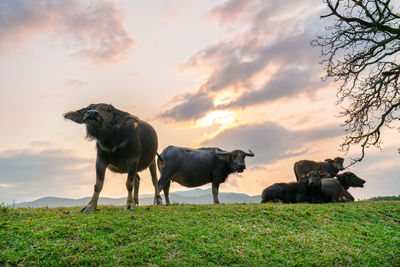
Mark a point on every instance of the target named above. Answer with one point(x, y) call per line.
point(126, 144)
point(317, 182)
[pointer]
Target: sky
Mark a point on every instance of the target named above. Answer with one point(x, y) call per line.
point(233, 74)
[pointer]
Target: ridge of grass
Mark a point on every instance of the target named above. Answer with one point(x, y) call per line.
point(362, 233)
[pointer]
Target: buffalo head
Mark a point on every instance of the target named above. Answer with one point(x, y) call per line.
point(313, 178)
point(235, 158)
point(338, 163)
point(100, 119)
point(349, 179)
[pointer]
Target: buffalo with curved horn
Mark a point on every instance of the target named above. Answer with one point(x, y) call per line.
point(124, 143)
point(196, 167)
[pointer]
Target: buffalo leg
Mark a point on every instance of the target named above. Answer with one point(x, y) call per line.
point(132, 182)
point(214, 188)
point(348, 196)
point(153, 172)
point(164, 179)
point(100, 173)
point(166, 192)
point(136, 190)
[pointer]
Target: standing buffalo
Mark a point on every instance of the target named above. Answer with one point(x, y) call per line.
point(305, 190)
point(329, 168)
point(335, 190)
point(196, 167)
point(125, 144)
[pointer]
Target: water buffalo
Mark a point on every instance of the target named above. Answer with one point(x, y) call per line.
point(196, 167)
point(329, 168)
point(335, 190)
point(125, 144)
point(305, 190)
point(349, 179)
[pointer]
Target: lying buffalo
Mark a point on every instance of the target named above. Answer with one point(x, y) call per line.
point(305, 190)
point(329, 168)
point(125, 144)
point(335, 190)
point(349, 179)
point(196, 167)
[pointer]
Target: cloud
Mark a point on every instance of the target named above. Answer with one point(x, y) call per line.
point(269, 141)
point(194, 106)
point(95, 31)
point(287, 83)
point(230, 10)
point(246, 61)
point(42, 173)
point(237, 66)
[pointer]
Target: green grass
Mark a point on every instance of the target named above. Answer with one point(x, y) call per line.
point(363, 233)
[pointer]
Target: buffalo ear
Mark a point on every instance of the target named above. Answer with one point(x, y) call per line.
point(122, 118)
point(76, 116)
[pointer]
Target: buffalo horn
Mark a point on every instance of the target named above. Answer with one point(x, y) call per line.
point(251, 154)
point(221, 153)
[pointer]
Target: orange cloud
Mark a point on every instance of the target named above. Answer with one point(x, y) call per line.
point(264, 63)
point(95, 31)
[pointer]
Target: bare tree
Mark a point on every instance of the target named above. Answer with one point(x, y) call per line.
point(361, 51)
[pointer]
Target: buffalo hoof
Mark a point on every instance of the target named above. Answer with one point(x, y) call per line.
point(157, 200)
point(130, 206)
point(88, 208)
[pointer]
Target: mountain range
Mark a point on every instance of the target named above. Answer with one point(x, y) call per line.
point(194, 196)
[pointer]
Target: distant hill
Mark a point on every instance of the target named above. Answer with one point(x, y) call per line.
point(194, 196)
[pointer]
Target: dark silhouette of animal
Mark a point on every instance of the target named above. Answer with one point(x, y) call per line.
point(328, 168)
point(305, 190)
point(349, 179)
point(335, 190)
point(124, 143)
point(196, 167)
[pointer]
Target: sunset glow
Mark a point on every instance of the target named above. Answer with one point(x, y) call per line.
point(221, 117)
point(230, 74)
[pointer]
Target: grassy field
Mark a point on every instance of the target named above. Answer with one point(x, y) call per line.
point(362, 233)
